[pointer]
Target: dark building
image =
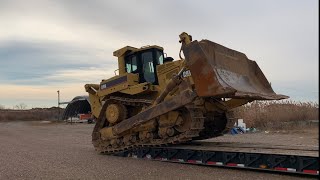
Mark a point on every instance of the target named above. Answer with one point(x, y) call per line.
point(78, 105)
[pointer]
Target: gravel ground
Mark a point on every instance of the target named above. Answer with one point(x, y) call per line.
point(34, 150)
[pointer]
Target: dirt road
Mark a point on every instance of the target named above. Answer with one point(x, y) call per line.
point(33, 150)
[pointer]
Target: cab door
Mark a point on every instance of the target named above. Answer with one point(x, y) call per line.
point(148, 67)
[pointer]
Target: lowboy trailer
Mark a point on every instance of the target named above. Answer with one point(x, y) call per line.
point(287, 159)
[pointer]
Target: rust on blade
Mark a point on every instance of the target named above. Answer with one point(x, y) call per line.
point(218, 71)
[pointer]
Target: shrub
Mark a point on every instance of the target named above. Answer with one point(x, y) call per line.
point(35, 114)
point(276, 114)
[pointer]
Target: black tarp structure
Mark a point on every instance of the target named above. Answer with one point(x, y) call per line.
point(78, 105)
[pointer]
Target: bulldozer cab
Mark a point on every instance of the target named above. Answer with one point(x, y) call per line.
point(144, 62)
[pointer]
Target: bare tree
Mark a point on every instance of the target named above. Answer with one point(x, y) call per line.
point(20, 106)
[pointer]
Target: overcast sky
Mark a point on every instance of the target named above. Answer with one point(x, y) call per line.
point(53, 45)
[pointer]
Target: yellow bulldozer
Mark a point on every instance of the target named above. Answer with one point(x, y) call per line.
point(155, 100)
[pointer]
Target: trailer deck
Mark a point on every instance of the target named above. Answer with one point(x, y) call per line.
point(289, 159)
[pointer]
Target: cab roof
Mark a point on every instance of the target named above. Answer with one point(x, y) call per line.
point(122, 51)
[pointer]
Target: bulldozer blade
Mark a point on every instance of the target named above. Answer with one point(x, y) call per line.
point(218, 71)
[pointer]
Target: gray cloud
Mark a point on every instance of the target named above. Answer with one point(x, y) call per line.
point(40, 41)
point(31, 63)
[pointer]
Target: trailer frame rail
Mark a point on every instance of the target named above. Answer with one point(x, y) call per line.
point(308, 165)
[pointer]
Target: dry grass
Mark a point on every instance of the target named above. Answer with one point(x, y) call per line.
point(277, 114)
point(260, 114)
point(36, 114)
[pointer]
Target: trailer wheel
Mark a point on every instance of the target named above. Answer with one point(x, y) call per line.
point(90, 121)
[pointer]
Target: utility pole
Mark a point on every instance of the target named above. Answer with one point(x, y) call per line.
point(58, 104)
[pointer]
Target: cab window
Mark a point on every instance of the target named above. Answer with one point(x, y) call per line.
point(159, 56)
point(148, 67)
point(131, 64)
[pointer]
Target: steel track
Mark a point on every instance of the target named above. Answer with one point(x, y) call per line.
point(195, 131)
point(196, 126)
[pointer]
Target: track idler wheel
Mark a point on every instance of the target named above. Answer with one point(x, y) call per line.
point(116, 112)
point(170, 132)
point(146, 136)
point(183, 122)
